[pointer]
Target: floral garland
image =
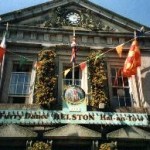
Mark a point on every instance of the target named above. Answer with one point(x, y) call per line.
point(39, 145)
point(98, 80)
point(108, 146)
point(45, 78)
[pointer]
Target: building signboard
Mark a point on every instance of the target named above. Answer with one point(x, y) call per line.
point(41, 117)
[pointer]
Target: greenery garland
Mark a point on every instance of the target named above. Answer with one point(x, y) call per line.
point(46, 79)
point(98, 80)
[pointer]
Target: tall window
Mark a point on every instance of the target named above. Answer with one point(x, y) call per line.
point(67, 80)
point(119, 89)
point(19, 87)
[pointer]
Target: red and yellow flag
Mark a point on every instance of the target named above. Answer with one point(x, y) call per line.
point(133, 60)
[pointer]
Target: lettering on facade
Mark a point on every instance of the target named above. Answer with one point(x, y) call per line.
point(62, 116)
point(53, 117)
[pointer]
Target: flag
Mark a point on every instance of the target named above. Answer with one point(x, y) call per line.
point(3, 47)
point(133, 60)
point(119, 49)
point(74, 50)
point(82, 65)
point(66, 72)
point(2, 54)
point(84, 78)
point(38, 65)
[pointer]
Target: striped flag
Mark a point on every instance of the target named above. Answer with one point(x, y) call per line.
point(74, 50)
point(133, 60)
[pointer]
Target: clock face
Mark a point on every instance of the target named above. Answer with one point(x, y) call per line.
point(73, 18)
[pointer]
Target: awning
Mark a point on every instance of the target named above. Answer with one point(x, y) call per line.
point(15, 131)
point(132, 133)
point(72, 131)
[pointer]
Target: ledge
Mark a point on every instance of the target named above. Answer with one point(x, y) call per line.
point(19, 106)
point(133, 110)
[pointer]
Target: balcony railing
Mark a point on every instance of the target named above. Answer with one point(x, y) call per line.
point(68, 82)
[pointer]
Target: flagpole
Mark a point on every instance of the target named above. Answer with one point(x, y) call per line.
point(139, 79)
point(73, 63)
point(139, 82)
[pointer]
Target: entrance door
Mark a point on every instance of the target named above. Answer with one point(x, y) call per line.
point(72, 147)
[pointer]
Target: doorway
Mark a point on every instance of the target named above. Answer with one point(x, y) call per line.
point(71, 147)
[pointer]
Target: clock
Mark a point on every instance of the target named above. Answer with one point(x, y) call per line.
point(73, 18)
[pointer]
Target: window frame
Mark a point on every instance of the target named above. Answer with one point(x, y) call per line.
point(61, 65)
point(23, 84)
point(112, 104)
point(27, 96)
point(77, 79)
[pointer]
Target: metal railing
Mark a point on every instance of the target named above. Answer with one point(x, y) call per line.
point(68, 82)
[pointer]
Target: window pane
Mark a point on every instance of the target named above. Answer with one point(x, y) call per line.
point(26, 89)
point(125, 81)
point(114, 81)
point(120, 81)
point(23, 68)
point(78, 82)
point(21, 78)
point(20, 83)
point(19, 89)
point(120, 89)
point(115, 102)
point(69, 82)
point(27, 78)
point(115, 92)
point(12, 89)
point(14, 78)
point(113, 72)
point(122, 101)
point(127, 94)
point(128, 102)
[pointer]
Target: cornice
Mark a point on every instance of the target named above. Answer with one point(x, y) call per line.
point(23, 14)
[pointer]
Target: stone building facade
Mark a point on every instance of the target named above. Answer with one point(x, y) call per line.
point(50, 26)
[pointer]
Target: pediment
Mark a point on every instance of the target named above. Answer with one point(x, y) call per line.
point(129, 133)
point(72, 131)
point(60, 14)
point(15, 131)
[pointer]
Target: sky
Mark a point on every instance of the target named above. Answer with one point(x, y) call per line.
point(136, 10)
